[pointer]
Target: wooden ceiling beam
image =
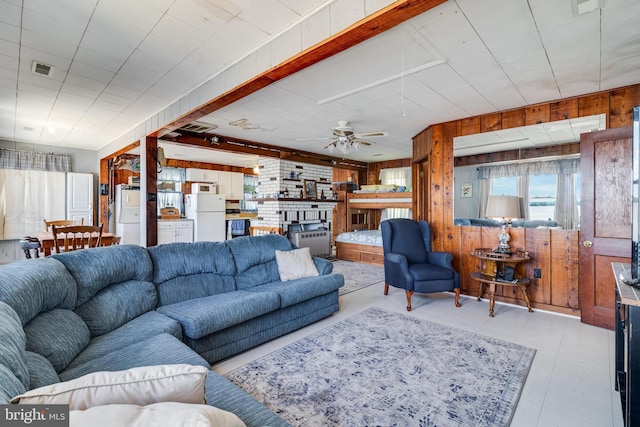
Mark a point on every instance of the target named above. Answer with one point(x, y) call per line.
point(237, 145)
point(372, 25)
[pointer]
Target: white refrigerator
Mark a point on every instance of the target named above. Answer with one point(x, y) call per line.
point(128, 214)
point(207, 210)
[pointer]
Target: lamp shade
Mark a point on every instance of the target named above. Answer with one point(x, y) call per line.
point(503, 207)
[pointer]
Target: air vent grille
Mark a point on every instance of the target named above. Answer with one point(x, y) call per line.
point(199, 127)
point(40, 68)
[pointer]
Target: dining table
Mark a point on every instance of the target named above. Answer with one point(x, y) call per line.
point(47, 242)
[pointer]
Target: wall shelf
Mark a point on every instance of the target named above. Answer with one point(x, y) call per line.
point(293, 199)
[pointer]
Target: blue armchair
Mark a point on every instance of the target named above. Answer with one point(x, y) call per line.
point(410, 264)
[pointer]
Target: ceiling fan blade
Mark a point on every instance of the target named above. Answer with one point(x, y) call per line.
point(363, 142)
point(342, 132)
point(333, 144)
point(371, 134)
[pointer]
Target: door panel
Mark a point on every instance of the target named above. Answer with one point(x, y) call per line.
point(605, 219)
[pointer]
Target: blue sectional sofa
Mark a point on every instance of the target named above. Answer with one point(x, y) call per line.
point(119, 307)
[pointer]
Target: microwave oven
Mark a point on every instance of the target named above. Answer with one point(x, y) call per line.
point(202, 187)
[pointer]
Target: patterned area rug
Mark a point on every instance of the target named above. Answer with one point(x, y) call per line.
point(358, 275)
point(388, 369)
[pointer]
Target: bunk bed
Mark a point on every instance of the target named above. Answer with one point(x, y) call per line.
point(360, 242)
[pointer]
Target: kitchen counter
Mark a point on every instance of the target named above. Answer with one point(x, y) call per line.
point(242, 215)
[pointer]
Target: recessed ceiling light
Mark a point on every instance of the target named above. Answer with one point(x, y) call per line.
point(41, 68)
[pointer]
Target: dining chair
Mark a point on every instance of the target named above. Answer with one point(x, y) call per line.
point(61, 223)
point(76, 237)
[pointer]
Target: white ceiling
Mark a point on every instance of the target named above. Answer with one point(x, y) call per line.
point(118, 62)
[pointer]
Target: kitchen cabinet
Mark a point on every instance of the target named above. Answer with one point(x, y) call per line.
point(231, 185)
point(175, 231)
point(201, 175)
point(80, 197)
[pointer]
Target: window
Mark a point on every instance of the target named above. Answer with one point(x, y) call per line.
point(250, 186)
point(542, 197)
point(402, 178)
point(504, 186)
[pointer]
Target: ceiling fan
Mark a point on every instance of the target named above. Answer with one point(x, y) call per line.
point(345, 139)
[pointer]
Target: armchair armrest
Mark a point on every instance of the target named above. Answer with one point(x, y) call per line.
point(443, 259)
point(396, 271)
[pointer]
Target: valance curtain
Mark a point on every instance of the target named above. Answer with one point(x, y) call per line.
point(551, 167)
point(30, 160)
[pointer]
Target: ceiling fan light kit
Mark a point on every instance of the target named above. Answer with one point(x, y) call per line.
point(346, 140)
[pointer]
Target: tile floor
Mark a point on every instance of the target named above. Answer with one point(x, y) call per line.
point(571, 381)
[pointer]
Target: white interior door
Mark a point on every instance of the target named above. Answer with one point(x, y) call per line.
point(80, 197)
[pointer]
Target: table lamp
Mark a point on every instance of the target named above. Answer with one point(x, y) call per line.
point(505, 208)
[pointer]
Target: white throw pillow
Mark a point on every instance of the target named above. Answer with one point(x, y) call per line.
point(158, 414)
point(136, 386)
point(295, 264)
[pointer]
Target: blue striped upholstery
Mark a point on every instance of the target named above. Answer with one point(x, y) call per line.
point(41, 372)
point(14, 374)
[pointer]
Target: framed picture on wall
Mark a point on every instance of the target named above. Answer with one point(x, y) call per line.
point(310, 189)
point(467, 190)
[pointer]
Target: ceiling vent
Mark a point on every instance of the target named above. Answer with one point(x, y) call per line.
point(581, 7)
point(199, 127)
point(40, 68)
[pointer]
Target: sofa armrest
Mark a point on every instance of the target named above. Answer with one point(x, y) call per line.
point(324, 266)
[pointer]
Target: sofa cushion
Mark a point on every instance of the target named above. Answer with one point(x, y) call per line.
point(295, 264)
point(138, 386)
point(59, 335)
point(12, 345)
point(41, 372)
point(157, 414)
point(204, 316)
point(295, 291)
point(10, 385)
point(255, 258)
point(99, 268)
point(149, 324)
point(162, 349)
point(38, 285)
point(184, 271)
point(114, 306)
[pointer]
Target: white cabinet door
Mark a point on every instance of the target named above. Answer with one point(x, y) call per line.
point(184, 231)
point(224, 184)
point(194, 175)
point(210, 176)
point(166, 232)
point(80, 197)
point(237, 186)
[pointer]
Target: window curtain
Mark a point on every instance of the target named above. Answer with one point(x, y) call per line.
point(551, 167)
point(396, 176)
point(566, 213)
point(484, 192)
point(400, 177)
point(32, 189)
point(523, 194)
point(566, 207)
point(30, 197)
point(30, 160)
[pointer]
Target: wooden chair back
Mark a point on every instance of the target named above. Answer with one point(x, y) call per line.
point(61, 223)
point(259, 231)
point(76, 237)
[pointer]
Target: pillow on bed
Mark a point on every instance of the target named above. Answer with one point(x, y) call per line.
point(295, 264)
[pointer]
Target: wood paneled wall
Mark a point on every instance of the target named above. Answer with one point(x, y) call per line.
point(433, 154)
